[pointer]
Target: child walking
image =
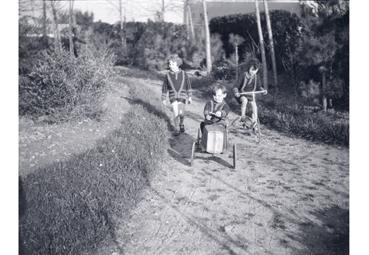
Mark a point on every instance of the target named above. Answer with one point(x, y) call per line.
point(178, 85)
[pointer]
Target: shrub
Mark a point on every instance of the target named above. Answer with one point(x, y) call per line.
point(316, 126)
point(71, 206)
point(63, 87)
point(159, 40)
point(285, 26)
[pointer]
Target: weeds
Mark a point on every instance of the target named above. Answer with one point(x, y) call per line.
point(63, 87)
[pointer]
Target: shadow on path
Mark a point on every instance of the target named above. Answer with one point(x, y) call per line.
point(219, 237)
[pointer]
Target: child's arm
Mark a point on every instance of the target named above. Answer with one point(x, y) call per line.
point(237, 87)
point(259, 86)
point(225, 111)
point(164, 90)
point(207, 110)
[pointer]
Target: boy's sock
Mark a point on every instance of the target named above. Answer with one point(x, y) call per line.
point(181, 125)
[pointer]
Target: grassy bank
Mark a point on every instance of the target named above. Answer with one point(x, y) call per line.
point(69, 207)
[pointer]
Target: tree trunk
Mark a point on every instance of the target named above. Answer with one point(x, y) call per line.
point(186, 19)
point(236, 51)
point(193, 38)
point(122, 32)
point(271, 44)
point(262, 48)
point(207, 38)
point(70, 34)
point(44, 25)
point(57, 42)
point(324, 97)
point(162, 10)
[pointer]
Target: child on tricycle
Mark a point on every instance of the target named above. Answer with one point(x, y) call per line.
point(245, 91)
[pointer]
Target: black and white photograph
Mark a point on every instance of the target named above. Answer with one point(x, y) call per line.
point(171, 127)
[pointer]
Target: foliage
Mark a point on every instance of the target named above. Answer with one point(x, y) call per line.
point(63, 87)
point(316, 126)
point(30, 45)
point(285, 26)
point(325, 45)
point(70, 207)
point(157, 42)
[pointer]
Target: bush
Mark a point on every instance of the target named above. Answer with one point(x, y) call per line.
point(157, 42)
point(317, 126)
point(63, 87)
point(70, 206)
point(285, 26)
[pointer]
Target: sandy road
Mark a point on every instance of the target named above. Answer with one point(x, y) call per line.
point(288, 196)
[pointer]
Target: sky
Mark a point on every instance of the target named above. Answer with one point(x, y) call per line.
point(136, 10)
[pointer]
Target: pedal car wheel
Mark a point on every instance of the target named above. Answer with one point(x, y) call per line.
point(234, 156)
point(193, 152)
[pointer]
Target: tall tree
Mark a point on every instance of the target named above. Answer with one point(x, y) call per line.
point(70, 34)
point(122, 21)
point(207, 38)
point(44, 20)
point(122, 26)
point(271, 44)
point(262, 47)
point(236, 40)
point(190, 20)
point(57, 41)
point(187, 20)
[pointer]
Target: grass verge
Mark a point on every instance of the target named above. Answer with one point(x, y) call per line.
point(69, 207)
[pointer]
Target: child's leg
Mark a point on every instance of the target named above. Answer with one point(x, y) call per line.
point(175, 115)
point(254, 111)
point(181, 111)
point(243, 106)
point(202, 125)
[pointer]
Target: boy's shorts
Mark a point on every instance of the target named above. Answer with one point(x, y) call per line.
point(249, 98)
point(178, 108)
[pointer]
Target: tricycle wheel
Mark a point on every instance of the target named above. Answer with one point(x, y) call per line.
point(257, 131)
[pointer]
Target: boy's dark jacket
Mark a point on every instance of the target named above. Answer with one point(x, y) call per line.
point(248, 84)
point(178, 85)
point(212, 107)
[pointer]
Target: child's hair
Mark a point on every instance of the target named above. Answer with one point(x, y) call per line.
point(252, 62)
point(218, 86)
point(175, 58)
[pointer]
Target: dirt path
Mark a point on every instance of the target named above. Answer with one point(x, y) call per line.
point(41, 144)
point(288, 196)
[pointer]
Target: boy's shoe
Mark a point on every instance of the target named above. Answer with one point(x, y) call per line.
point(181, 128)
point(255, 128)
point(243, 119)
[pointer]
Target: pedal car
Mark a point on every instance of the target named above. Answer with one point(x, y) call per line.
point(213, 140)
